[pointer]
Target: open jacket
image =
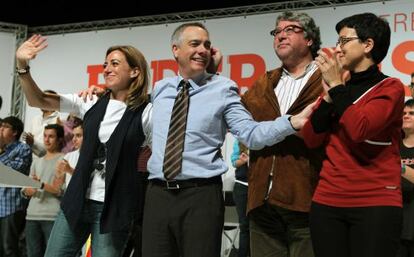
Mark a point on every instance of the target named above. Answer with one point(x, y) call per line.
point(124, 186)
point(294, 167)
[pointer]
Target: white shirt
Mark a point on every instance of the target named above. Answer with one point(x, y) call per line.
point(72, 159)
point(113, 114)
point(288, 88)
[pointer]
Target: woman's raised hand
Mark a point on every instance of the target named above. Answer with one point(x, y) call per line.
point(29, 49)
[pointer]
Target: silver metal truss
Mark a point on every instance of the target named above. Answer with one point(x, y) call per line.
point(18, 101)
point(192, 16)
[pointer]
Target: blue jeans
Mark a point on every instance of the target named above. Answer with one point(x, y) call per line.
point(64, 242)
point(37, 235)
point(240, 199)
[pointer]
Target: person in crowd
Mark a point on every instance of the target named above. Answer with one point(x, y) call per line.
point(105, 191)
point(44, 203)
point(34, 134)
point(356, 208)
point(66, 167)
point(69, 125)
point(411, 86)
point(184, 208)
point(18, 156)
point(407, 159)
point(239, 160)
point(284, 175)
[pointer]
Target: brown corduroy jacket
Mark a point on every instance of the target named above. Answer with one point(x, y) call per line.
point(295, 168)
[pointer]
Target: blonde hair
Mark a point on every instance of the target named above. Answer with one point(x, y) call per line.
point(138, 89)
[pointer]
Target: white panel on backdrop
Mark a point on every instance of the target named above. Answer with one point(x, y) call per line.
point(7, 50)
point(244, 41)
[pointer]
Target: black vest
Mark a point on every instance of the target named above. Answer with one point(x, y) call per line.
point(124, 186)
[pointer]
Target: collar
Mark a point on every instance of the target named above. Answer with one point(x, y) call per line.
point(53, 115)
point(359, 77)
point(195, 82)
point(308, 68)
point(11, 146)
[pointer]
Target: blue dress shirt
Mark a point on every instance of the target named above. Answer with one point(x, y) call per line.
point(215, 108)
point(18, 156)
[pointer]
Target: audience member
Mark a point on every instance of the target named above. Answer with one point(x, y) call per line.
point(356, 208)
point(411, 86)
point(18, 156)
point(407, 187)
point(239, 160)
point(34, 133)
point(44, 202)
point(66, 167)
point(71, 122)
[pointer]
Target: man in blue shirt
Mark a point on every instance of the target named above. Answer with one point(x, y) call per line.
point(18, 156)
point(184, 216)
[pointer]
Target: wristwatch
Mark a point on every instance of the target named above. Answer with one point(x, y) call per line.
point(22, 71)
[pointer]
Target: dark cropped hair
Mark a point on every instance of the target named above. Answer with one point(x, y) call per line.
point(78, 124)
point(409, 103)
point(311, 31)
point(369, 25)
point(60, 133)
point(16, 123)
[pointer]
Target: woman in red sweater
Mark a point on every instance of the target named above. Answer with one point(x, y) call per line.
point(356, 208)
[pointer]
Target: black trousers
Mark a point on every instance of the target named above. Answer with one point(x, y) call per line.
point(355, 232)
point(12, 229)
point(406, 248)
point(183, 222)
point(240, 199)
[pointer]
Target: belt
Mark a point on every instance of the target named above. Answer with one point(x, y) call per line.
point(188, 183)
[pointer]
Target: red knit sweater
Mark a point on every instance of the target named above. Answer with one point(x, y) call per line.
point(362, 165)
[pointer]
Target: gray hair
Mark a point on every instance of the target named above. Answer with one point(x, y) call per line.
point(311, 31)
point(176, 36)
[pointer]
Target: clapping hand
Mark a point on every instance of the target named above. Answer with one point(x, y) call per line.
point(331, 70)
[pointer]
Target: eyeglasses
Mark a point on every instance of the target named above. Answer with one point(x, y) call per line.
point(343, 40)
point(289, 30)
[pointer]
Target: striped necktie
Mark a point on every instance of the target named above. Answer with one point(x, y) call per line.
point(174, 148)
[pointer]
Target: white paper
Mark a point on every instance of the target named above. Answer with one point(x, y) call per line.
point(12, 178)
